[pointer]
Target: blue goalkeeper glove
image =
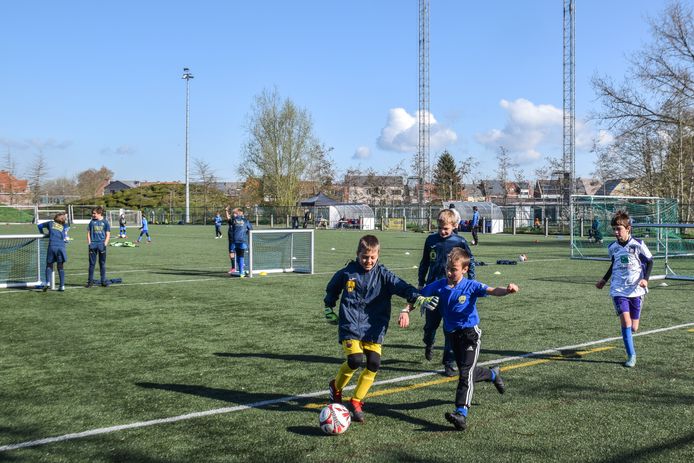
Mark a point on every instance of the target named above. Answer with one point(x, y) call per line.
point(426, 303)
point(330, 315)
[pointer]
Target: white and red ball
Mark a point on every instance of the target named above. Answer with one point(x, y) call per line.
point(334, 419)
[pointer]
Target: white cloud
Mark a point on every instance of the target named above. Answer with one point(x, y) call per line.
point(530, 128)
point(122, 150)
point(362, 152)
point(401, 132)
point(604, 138)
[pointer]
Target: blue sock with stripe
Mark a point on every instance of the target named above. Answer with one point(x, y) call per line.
point(461, 410)
point(628, 340)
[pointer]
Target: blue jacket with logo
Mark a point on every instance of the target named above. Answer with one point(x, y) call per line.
point(365, 305)
point(436, 248)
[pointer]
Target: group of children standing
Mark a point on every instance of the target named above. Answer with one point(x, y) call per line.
point(365, 288)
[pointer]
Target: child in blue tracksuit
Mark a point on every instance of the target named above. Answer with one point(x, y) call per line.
point(144, 231)
point(217, 226)
point(239, 227)
point(458, 305)
point(433, 267)
point(98, 237)
point(366, 287)
point(57, 254)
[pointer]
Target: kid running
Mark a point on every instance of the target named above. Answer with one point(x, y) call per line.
point(458, 305)
point(630, 269)
point(367, 288)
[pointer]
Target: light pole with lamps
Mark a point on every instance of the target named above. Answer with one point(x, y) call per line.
point(187, 76)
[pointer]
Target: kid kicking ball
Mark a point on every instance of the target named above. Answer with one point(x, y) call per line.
point(334, 419)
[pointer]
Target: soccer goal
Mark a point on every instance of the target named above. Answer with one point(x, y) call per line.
point(675, 243)
point(22, 260)
point(132, 218)
point(277, 251)
point(16, 214)
point(591, 231)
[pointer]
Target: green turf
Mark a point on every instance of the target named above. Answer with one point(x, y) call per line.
point(179, 336)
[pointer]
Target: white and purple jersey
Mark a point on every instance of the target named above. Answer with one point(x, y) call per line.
point(629, 261)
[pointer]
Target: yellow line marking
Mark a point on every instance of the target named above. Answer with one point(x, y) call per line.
point(691, 330)
point(395, 390)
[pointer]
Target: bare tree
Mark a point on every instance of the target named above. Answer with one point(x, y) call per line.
point(91, 181)
point(205, 175)
point(320, 169)
point(503, 166)
point(37, 174)
point(9, 165)
point(279, 147)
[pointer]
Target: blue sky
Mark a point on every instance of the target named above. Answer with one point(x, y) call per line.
point(93, 84)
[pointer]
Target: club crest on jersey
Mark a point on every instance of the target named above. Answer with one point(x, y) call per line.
point(462, 299)
point(351, 284)
point(432, 254)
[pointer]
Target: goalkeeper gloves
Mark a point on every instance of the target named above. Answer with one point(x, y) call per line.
point(426, 303)
point(330, 315)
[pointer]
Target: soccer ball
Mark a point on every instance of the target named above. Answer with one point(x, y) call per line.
point(334, 419)
point(522, 257)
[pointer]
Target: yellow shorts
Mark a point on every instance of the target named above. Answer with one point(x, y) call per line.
point(352, 346)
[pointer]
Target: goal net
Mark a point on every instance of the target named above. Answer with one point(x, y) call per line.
point(674, 242)
point(132, 218)
point(591, 231)
point(274, 251)
point(22, 260)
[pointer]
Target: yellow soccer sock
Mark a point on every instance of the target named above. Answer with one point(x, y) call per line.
point(344, 374)
point(366, 379)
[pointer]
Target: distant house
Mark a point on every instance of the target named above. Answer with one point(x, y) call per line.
point(523, 190)
point(472, 192)
point(547, 189)
point(589, 186)
point(374, 189)
point(616, 187)
point(11, 188)
point(120, 185)
point(231, 189)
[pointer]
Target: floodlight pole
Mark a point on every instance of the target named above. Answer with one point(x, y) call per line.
point(187, 76)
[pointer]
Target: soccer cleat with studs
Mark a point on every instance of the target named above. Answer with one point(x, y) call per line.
point(357, 412)
point(449, 370)
point(429, 352)
point(456, 419)
point(335, 395)
point(498, 380)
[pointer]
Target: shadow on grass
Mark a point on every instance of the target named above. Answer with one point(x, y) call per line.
point(564, 355)
point(646, 453)
point(193, 272)
point(573, 279)
point(386, 364)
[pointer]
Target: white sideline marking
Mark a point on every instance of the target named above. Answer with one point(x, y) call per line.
point(237, 408)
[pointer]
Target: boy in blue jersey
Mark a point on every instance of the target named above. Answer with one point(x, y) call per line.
point(122, 227)
point(144, 231)
point(474, 225)
point(217, 226)
point(98, 236)
point(630, 269)
point(433, 267)
point(239, 226)
point(57, 253)
point(458, 305)
point(366, 287)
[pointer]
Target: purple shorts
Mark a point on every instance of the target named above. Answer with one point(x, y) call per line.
point(631, 305)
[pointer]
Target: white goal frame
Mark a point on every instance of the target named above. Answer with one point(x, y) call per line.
point(252, 271)
point(668, 274)
point(40, 263)
point(113, 217)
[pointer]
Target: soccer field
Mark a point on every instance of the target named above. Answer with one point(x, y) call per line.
point(181, 363)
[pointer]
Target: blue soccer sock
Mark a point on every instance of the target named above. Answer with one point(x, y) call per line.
point(241, 259)
point(628, 340)
point(493, 375)
point(461, 410)
point(61, 275)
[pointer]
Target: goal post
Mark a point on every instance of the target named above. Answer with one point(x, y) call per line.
point(674, 242)
point(133, 218)
point(22, 260)
point(280, 251)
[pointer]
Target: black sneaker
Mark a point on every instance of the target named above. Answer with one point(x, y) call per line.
point(105, 284)
point(429, 352)
point(45, 288)
point(449, 370)
point(89, 284)
point(498, 380)
point(456, 419)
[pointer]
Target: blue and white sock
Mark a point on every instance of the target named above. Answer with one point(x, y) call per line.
point(628, 341)
point(461, 411)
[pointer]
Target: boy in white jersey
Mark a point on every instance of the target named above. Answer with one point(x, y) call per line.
point(630, 269)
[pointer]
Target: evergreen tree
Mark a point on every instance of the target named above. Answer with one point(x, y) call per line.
point(447, 179)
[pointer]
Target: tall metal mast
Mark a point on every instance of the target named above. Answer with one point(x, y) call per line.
point(187, 76)
point(569, 158)
point(422, 158)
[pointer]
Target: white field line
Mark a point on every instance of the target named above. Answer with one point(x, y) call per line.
point(264, 403)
